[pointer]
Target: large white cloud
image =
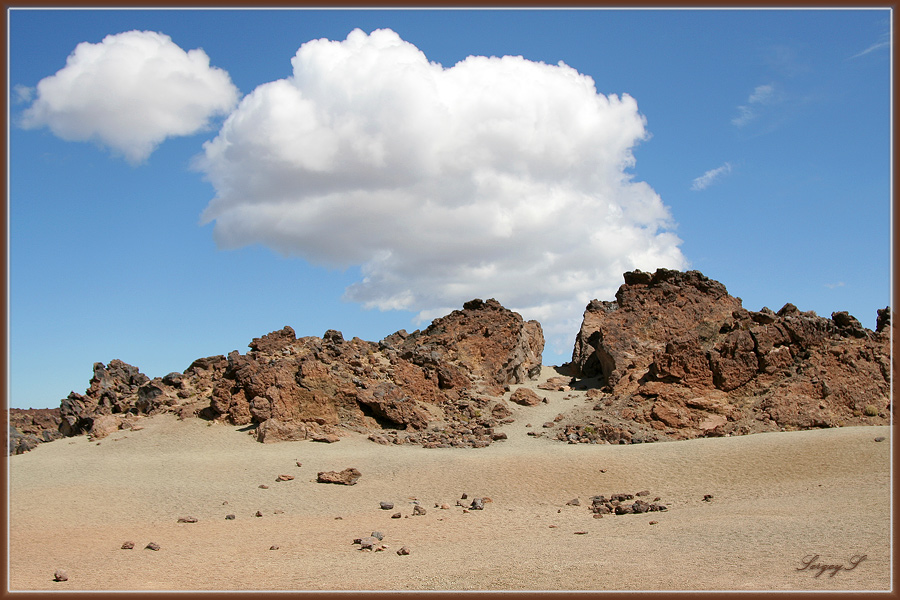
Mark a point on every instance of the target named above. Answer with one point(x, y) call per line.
point(497, 177)
point(130, 92)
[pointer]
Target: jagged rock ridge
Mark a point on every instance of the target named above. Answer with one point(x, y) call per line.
point(675, 356)
point(438, 384)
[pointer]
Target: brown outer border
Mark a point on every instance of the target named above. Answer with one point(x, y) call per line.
point(4, 223)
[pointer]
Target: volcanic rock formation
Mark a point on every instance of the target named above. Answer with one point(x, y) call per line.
point(433, 384)
point(675, 356)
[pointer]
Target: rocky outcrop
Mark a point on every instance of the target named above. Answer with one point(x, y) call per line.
point(117, 392)
point(484, 344)
point(32, 426)
point(675, 356)
point(294, 386)
point(435, 385)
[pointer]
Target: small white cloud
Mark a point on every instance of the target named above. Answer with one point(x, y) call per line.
point(832, 286)
point(130, 92)
point(762, 95)
point(496, 177)
point(707, 179)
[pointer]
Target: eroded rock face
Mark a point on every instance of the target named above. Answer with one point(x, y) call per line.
point(675, 356)
point(484, 344)
point(293, 386)
point(115, 389)
point(300, 388)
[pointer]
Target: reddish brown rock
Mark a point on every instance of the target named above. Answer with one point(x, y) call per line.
point(104, 425)
point(287, 388)
point(273, 430)
point(484, 344)
point(525, 397)
point(349, 476)
point(675, 357)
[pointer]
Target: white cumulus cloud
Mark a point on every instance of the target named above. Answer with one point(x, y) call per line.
point(496, 177)
point(130, 92)
point(707, 179)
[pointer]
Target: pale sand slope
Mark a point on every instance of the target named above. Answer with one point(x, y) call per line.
point(778, 498)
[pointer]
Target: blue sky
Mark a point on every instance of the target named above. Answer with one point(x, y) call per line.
point(380, 184)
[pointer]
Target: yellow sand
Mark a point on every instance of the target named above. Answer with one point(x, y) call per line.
point(779, 499)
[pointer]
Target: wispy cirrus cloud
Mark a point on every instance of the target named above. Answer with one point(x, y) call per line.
point(883, 42)
point(708, 178)
point(762, 95)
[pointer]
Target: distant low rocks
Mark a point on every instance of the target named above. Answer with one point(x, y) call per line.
point(624, 504)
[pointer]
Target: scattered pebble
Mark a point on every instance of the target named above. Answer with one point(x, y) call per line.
point(258, 513)
point(880, 438)
point(403, 551)
point(128, 546)
point(339, 518)
point(378, 534)
point(580, 532)
point(275, 547)
point(284, 478)
point(386, 505)
point(574, 502)
point(299, 464)
point(152, 546)
point(187, 520)
point(707, 497)
point(368, 543)
point(229, 517)
point(263, 487)
point(396, 516)
point(60, 575)
point(418, 510)
point(654, 522)
point(278, 511)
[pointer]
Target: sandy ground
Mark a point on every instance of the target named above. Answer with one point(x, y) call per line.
point(779, 499)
